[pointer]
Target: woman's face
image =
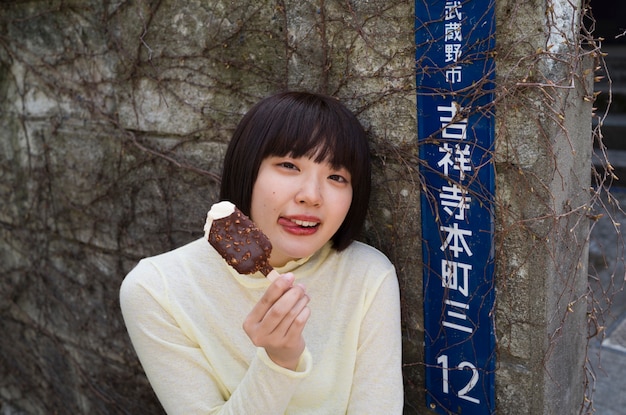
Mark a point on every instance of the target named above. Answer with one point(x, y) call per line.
point(299, 204)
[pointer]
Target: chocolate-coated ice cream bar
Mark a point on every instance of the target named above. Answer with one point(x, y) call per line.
point(238, 240)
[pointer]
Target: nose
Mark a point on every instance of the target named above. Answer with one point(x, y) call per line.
point(310, 192)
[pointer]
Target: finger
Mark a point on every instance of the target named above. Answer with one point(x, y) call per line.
point(294, 319)
point(271, 295)
point(280, 309)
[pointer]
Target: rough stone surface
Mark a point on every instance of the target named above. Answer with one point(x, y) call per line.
point(114, 124)
point(114, 120)
point(543, 155)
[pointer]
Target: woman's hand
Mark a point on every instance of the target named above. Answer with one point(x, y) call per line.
point(276, 322)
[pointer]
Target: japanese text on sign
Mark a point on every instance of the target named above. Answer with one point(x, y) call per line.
point(454, 40)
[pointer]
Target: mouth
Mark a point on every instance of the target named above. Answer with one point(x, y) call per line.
point(300, 225)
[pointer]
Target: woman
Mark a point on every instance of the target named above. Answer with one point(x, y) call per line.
point(324, 338)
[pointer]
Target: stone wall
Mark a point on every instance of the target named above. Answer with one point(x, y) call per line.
point(113, 123)
point(112, 131)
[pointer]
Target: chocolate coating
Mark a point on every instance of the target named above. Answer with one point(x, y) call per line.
point(241, 243)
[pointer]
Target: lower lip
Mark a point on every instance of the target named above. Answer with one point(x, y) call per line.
point(294, 229)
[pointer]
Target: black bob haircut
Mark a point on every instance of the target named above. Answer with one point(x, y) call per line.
point(298, 124)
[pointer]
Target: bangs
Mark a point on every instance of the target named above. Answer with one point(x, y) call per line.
point(319, 130)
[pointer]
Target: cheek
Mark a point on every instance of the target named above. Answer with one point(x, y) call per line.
point(343, 203)
point(349, 197)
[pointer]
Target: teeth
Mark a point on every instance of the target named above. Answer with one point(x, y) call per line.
point(304, 223)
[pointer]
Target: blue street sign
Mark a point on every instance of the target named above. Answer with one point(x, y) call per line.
point(455, 79)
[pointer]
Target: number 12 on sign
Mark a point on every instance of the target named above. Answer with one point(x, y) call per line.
point(462, 393)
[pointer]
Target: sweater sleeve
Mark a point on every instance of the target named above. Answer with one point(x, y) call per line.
point(378, 385)
point(182, 377)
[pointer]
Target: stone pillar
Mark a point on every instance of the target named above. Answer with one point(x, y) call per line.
point(115, 121)
point(543, 165)
point(114, 125)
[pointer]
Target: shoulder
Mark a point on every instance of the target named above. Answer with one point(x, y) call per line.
point(359, 253)
point(363, 274)
point(192, 250)
point(362, 265)
point(156, 270)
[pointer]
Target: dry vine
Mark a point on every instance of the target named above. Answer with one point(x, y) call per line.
point(118, 117)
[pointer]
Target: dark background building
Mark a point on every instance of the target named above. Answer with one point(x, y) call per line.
point(610, 26)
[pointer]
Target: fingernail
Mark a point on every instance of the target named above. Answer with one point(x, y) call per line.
point(289, 277)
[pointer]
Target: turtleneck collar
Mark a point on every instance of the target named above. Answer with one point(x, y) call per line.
point(258, 280)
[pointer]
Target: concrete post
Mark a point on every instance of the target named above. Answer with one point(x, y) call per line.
point(113, 127)
point(543, 164)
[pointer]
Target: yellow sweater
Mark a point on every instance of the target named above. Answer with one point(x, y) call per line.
point(184, 312)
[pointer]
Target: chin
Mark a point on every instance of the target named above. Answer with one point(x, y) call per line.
point(299, 253)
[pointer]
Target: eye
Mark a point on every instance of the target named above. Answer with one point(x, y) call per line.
point(338, 178)
point(287, 165)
